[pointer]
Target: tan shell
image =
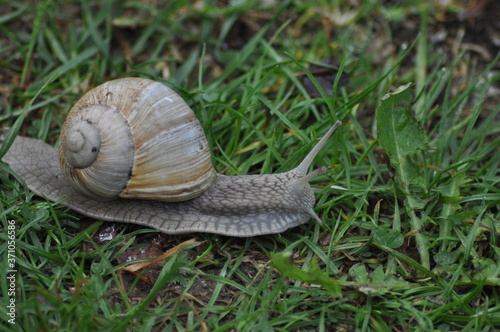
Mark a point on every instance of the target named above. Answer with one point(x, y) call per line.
point(135, 138)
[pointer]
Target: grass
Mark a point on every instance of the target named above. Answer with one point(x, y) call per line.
point(409, 246)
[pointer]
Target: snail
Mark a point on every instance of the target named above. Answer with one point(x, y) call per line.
point(131, 150)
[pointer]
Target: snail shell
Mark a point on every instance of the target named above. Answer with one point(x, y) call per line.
point(135, 138)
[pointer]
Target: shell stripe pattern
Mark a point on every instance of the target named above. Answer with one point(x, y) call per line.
point(172, 159)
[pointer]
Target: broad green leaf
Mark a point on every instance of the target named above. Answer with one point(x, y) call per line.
point(388, 237)
point(398, 131)
point(486, 270)
point(359, 273)
point(376, 282)
point(401, 137)
point(314, 275)
point(446, 257)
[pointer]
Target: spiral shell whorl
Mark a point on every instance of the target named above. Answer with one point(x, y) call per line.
point(83, 144)
point(151, 144)
point(101, 167)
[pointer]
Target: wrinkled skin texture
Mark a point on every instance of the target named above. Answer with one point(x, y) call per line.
point(241, 206)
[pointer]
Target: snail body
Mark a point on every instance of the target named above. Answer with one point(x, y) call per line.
point(246, 205)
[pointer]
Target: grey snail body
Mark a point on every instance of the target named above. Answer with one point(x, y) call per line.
point(242, 206)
